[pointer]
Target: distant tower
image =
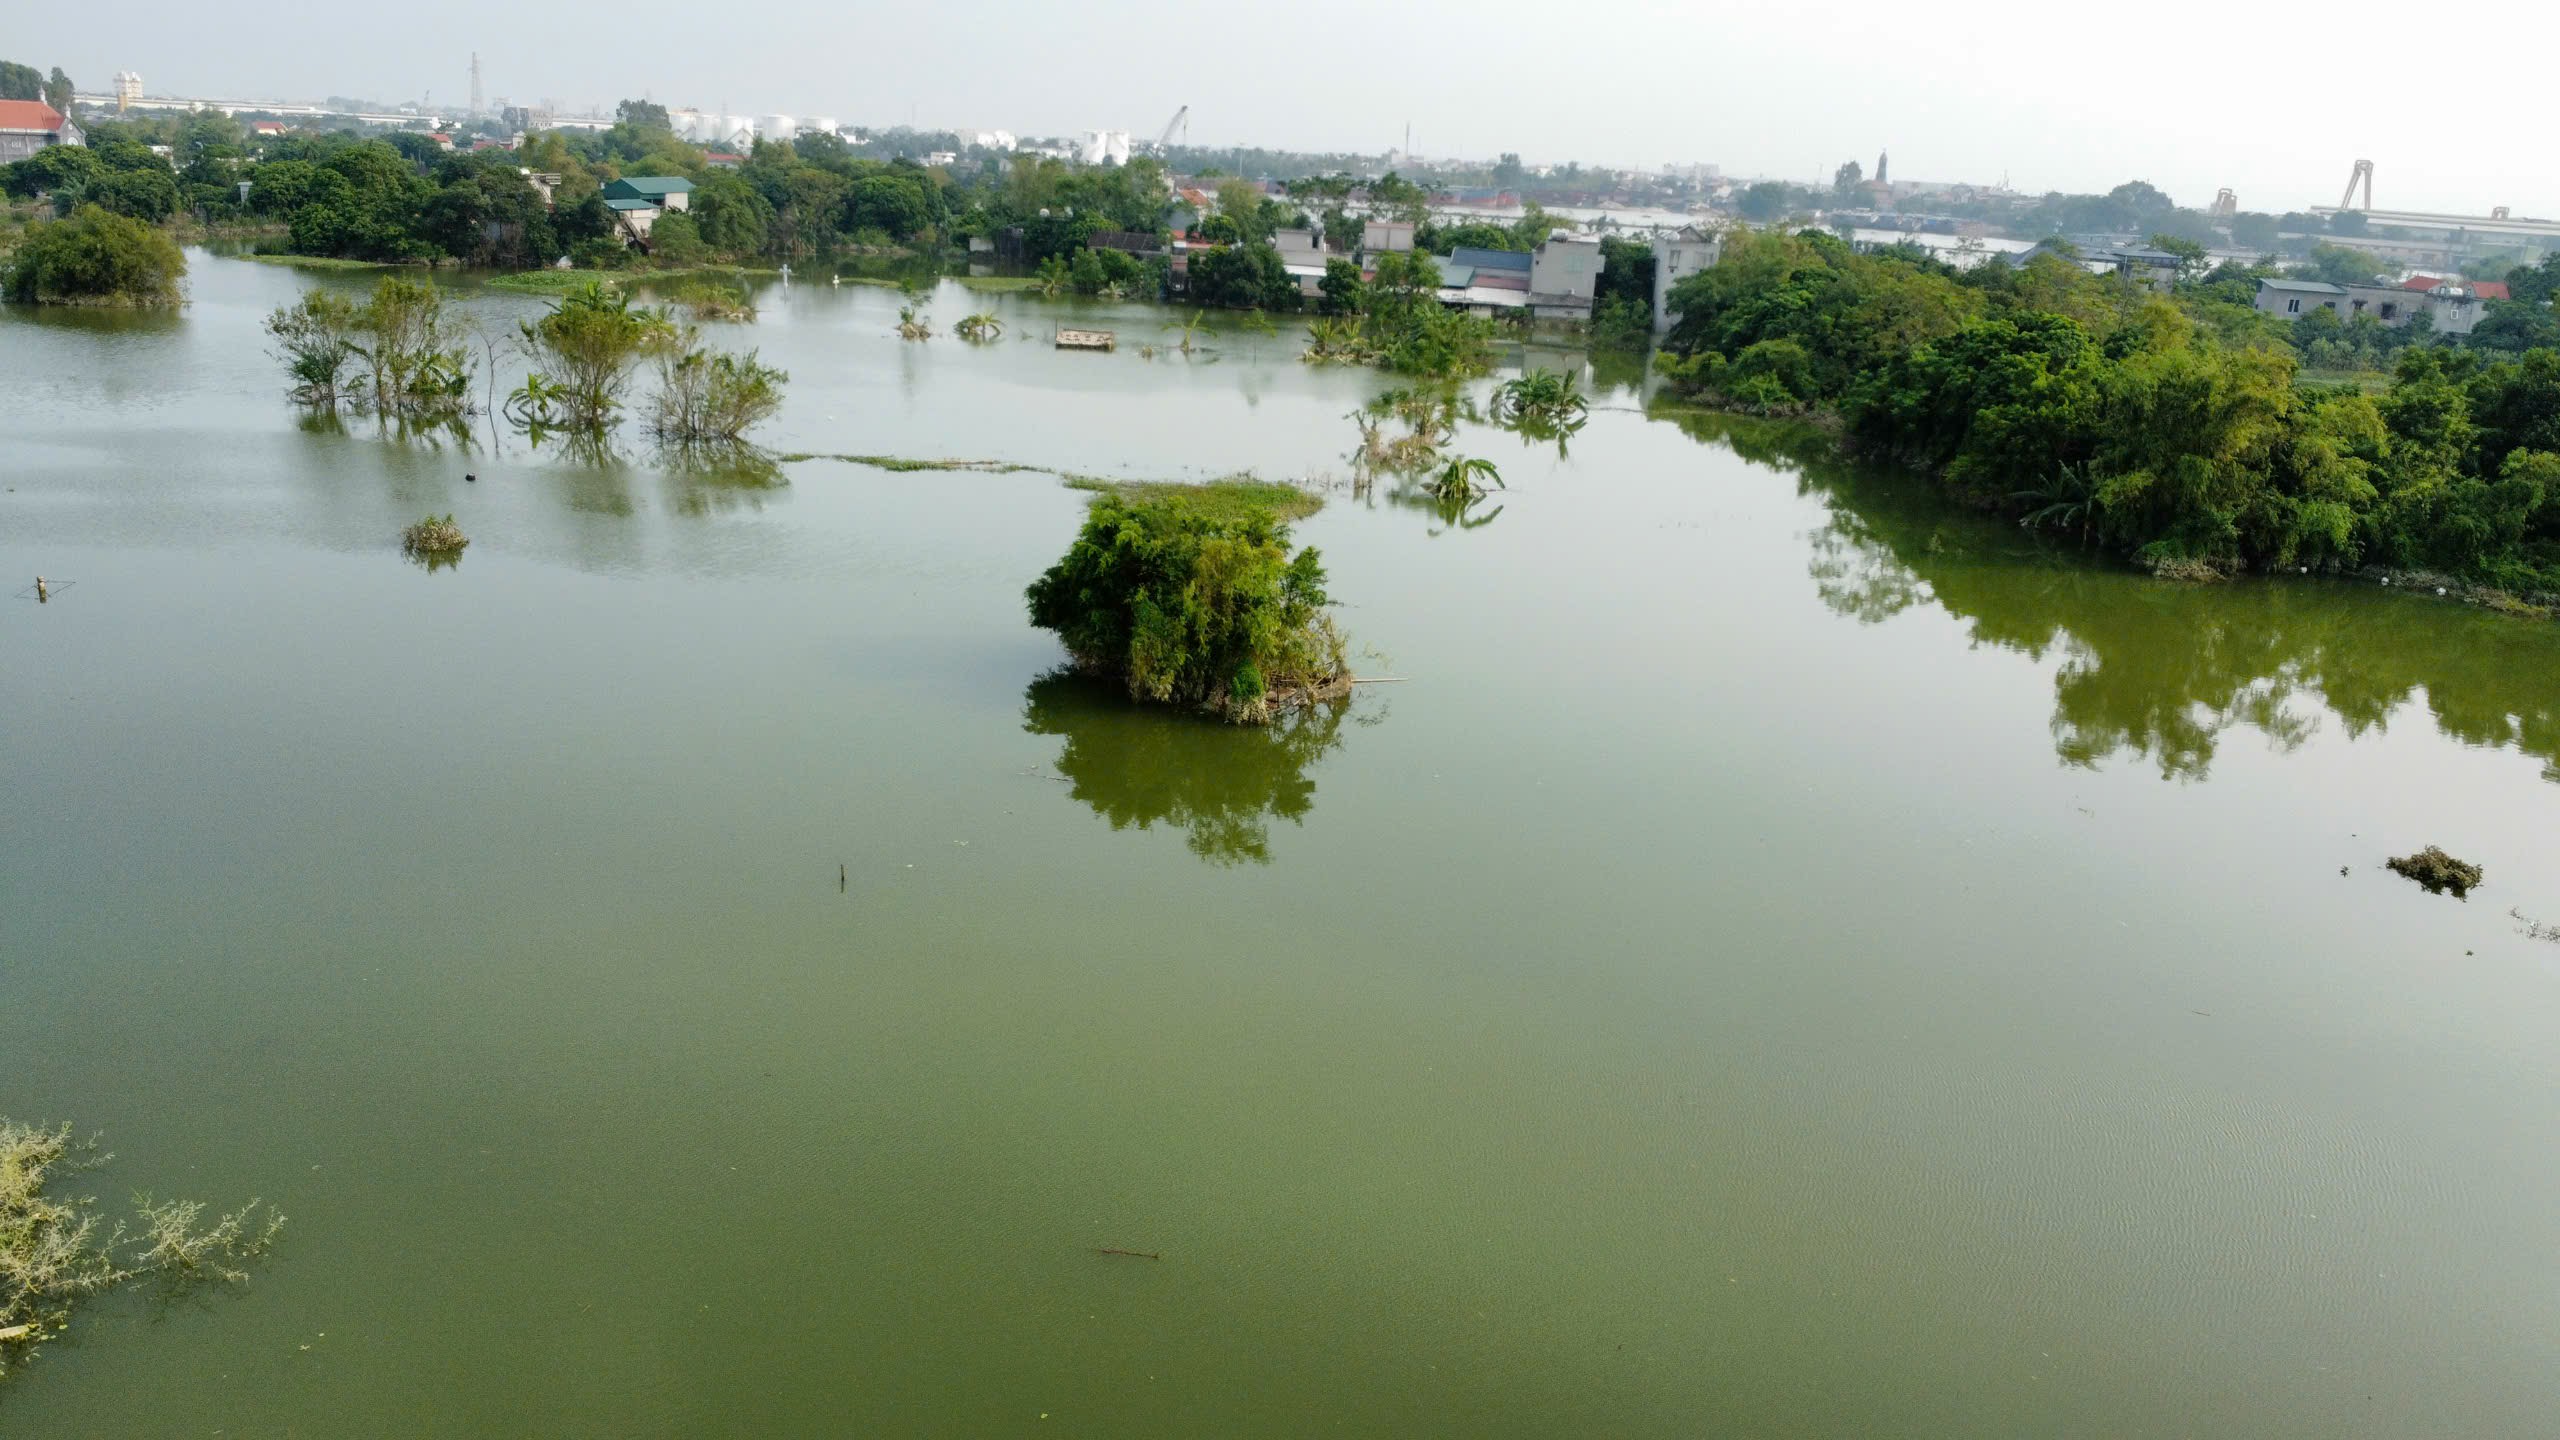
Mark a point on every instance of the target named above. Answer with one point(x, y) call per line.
point(1883, 177)
point(128, 89)
point(475, 84)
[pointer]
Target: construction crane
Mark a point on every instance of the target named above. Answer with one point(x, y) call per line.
point(1179, 122)
point(2225, 204)
point(2362, 173)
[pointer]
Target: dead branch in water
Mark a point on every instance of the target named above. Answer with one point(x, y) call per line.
point(1132, 1254)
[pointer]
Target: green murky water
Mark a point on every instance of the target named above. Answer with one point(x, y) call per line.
point(1789, 960)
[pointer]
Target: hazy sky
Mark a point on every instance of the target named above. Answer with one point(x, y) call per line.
point(2270, 99)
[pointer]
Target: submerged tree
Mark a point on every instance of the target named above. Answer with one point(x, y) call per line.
point(1192, 596)
point(417, 356)
point(708, 395)
point(316, 340)
point(95, 257)
point(54, 1251)
point(590, 344)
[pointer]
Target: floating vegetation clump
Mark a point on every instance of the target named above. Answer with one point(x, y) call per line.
point(54, 1252)
point(434, 536)
point(2438, 871)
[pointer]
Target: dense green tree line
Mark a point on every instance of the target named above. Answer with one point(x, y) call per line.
point(2169, 429)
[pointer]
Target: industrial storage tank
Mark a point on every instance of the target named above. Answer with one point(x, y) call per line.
point(690, 125)
point(735, 129)
point(776, 127)
point(818, 125)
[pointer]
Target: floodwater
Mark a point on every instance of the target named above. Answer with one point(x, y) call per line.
point(1786, 960)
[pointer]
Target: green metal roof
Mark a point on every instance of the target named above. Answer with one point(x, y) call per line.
point(650, 187)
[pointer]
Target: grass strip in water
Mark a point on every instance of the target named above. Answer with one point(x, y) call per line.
point(997, 284)
point(1289, 502)
point(548, 282)
point(319, 262)
point(905, 463)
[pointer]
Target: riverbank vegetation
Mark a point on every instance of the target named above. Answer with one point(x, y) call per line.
point(55, 1251)
point(94, 257)
point(2164, 429)
point(1193, 596)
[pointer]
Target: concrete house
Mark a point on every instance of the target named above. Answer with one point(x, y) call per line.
point(2453, 307)
point(27, 126)
point(2293, 299)
point(1675, 259)
point(1302, 254)
point(1564, 277)
point(1380, 235)
point(638, 200)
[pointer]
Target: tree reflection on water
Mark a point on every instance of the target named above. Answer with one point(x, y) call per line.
point(1144, 765)
point(2153, 668)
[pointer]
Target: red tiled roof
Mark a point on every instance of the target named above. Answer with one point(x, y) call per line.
point(29, 115)
point(2485, 289)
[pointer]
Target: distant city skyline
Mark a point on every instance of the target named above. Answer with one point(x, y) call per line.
point(2055, 101)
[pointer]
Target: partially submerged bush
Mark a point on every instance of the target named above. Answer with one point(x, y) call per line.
point(316, 340)
point(1550, 397)
point(711, 394)
point(399, 352)
point(589, 345)
point(54, 1253)
point(96, 257)
point(2438, 871)
point(1193, 597)
point(434, 536)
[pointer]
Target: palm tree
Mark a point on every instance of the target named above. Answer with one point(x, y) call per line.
point(1198, 324)
point(981, 326)
point(2068, 501)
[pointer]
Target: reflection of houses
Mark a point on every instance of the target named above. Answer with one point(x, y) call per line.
point(1676, 258)
point(2453, 307)
point(27, 126)
point(638, 200)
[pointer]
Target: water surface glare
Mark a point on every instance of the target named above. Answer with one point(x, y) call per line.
point(1789, 960)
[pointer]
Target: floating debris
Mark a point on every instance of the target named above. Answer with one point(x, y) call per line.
point(2438, 871)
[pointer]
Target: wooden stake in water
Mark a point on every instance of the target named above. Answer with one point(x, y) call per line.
point(39, 589)
point(839, 877)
